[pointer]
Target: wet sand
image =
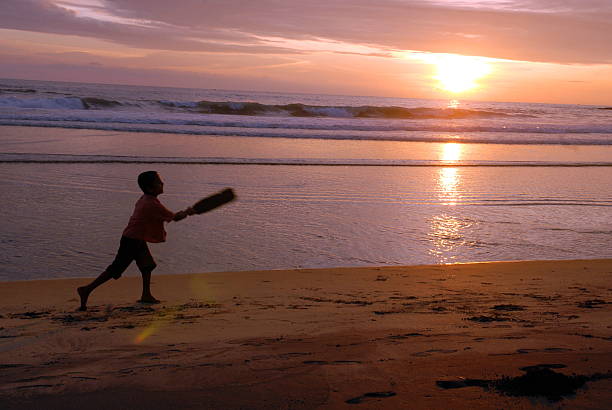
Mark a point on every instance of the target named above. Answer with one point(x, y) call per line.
point(440, 336)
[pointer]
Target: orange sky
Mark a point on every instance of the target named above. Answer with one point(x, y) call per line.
point(539, 50)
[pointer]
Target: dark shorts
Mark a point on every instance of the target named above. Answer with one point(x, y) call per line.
point(131, 250)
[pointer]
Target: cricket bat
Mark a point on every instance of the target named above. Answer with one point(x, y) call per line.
point(213, 201)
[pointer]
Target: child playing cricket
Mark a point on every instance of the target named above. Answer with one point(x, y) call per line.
point(145, 225)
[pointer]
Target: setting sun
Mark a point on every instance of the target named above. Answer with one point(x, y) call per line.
point(457, 73)
point(451, 152)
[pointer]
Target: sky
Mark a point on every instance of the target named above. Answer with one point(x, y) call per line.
point(556, 51)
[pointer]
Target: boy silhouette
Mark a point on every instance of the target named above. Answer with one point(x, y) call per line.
point(145, 225)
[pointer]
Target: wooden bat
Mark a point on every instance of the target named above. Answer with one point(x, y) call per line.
point(214, 201)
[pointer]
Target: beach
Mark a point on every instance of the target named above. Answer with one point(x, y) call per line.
point(431, 336)
point(420, 213)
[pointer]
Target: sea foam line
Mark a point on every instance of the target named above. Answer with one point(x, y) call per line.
point(456, 135)
point(9, 157)
point(73, 119)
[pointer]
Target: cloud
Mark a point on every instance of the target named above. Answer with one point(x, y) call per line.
point(29, 67)
point(44, 16)
point(566, 31)
point(563, 31)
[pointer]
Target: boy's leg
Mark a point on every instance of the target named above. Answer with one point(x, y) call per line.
point(84, 291)
point(146, 264)
point(125, 256)
point(147, 297)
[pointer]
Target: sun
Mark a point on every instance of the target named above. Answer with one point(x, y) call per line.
point(451, 152)
point(456, 73)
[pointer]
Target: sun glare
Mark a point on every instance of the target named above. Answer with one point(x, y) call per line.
point(460, 73)
point(456, 73)
point(451, 152)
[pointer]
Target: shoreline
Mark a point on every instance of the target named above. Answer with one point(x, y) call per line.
point(334, 268)
point(213, 146)
point(381, 337)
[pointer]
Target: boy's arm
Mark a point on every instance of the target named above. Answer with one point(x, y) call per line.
point(180, 215)
point(159, 211)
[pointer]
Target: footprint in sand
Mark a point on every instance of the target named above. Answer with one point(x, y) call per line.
point(405, 335)
point(487, 319)
point(430, 351)
point(527, 351)
point(508, 308)
point(322, 362)
point(38, 386)
point(371, 396)
point(12, 365)
point(592, 304)
point(30, 315)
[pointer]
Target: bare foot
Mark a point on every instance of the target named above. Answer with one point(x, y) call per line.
point(83, 294)
point(148, 299)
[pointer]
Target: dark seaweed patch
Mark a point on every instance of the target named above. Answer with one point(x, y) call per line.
point(538, 380)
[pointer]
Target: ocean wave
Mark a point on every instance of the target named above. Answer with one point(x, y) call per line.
point(56, 103)
point(79, 158)
point(100, 103)
point(277, 115)
point(252, 108)
point(303, 110)
point(16, 90)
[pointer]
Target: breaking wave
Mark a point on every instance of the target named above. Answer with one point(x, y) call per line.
point(278, 115)
point(71, 103)
point(303, 110)
point(250, 108)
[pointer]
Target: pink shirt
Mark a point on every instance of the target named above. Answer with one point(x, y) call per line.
point(147, 221)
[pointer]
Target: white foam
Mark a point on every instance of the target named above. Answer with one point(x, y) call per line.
point(431, 133)
point(78, 158)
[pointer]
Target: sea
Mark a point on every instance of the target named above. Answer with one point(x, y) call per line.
point(321, 180)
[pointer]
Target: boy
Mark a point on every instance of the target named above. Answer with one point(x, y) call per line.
point(146, 225)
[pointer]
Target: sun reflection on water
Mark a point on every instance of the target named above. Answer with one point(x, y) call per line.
point(446, 233)
point(448, 186)
point(447, 236)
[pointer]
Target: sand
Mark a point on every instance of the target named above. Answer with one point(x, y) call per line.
point(439, 336)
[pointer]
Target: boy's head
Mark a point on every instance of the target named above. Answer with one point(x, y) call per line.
point(150, 183)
